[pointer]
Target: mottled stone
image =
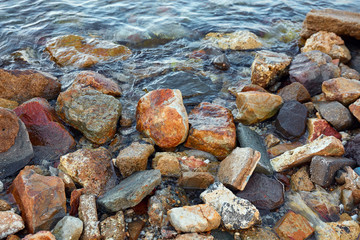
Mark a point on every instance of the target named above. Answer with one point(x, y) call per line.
point(68, 228)
point(88, 214)
point(336, 114)
point(318, 127)
point(294, 91)
point(300, 181)
point(196, 180)
point(42, 235)
point(257, 233)
point(352, 149)
point(9, 125)
point(4, 205)
point(113, 228)
point(348, 230)
point(4, 103)
point(10, 223)
point(161, 115)
point(293, 226)
point(349, 73)
point(167, 163)
point(221, 62)
point(240, 40)
point(341, 89)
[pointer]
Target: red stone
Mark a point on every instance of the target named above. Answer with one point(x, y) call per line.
point(9, 128)
point(75, 200)
point(320, 126)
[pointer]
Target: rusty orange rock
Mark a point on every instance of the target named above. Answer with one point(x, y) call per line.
point(293, 226)
point(341, 89)
point(42, 235)
point(317, 127)
point(355, 109)
point(161, 115)
point(9, 128)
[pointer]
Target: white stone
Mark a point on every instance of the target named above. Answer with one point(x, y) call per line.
point(10, 223)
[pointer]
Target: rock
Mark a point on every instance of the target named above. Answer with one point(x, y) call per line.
point(1, 186)
point(134, 158)
point(200, 154)
point(167, 163)
point(161, 115)
point(88, 214)
point(221, 62)
point(256, 233)
point(13, 237)
point(193, 164)
point(346, 229)
point(294, 91)
point(9, 125)
point(329, 43)
point(349, 73)
point(68, 228)
point(72, 50)
point(291, 127)
point(249, 138)
point(21, 86)
point(75, 200)
point(341, 89)
point(355, 109)
point(10, 223)
point(311, 69)
point(269, 67)
point(134, 229)
point(197, 180)
point(352, 149)
point(193, 236)
point(42, 235)
point(4, 103)
point(197, 218)
point(91, 168)
point(4, 206)
point(318, 127)
point(69, 183)
point(281, 148)
point(322, 146)
point(212, 130)
point(130, 191)
point(236, 169)
point(293, 226)
point(336, 114)
point(241, 40)
point(93, 113)
point(323, 169)
point(44, 127)
point(264, 192)
point(271, 140)
point(300, 181)
point(331, 20)
point(31, 192)
point(113, 228)
point(347, 200)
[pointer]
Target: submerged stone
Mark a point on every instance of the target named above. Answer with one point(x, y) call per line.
point(240, 40)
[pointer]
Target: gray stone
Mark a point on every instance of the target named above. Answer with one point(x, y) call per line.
point(130, 191)
point(221, 62)
point(68, 228)
point(336, 114)
point(249, 138)
point(348, 72)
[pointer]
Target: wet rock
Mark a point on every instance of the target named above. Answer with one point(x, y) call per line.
point(72, 50)
point(113, 228)
point(236, 169)
point(323, 169)
point(331, 20)
point(271, 140)
point(349, 73)
point(355, 109)
point(44, 127)
point(256, 233)
point(293, 226)
point(329, 43)
point(91, 168)
point(42, 235)
point(241, 40)
point(269, 67)
point(167, 163)
point(9, 125)
point(130, 191)
point(256, 107)
point(134, 158)
point(294, 91)
point(68, 228)
point(341, 89)
point(322, 146)
point(212, 130)
point(346, 229)
point(291, 127)
point(31, 192)
point(300, 181)
point(10, 223)
point(161, 115)
point(4, 103)
point(4, 206)
point(88, 214)
point(197, 218)
point(352, 149)
point(196, 180)
point(193, 236)
point(318, 127)
point(311, 69)
point(93, 113)
point(21, 86)
point(336, 114)
point(264, 192)
point(249, 138)
point(221, 62)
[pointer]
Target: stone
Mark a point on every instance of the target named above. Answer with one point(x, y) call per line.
point(322, 146)
point(236, 169)
point(349, 73)
point(300, 181)
point(346, 229)
point(197, 218)
point(41, 199)
point(20, 86)
point(331, 20)
point(4, 205)
point(293, 226)
point(88, 214)
point(329, 43)
point(193, 236)
point(73, 50)
point(256, 107)
point(10, 223)
point(264, 192)
point(4, 103)
point(75, 200)
point(294, 91)
point(135, 228)
point(196, 180)
point(336, 114)
point(93, 113)
point(341, 89)
point(68, 228)
point(167, 163)
point(269, 68)
point(13, 237)
point(134, 158)
point(240, 40)
point(256, 233)
point(323, 169)
point(212, 130)
point(69, 183)
point(283, 147)
point(161, 116)
point(221, 62)
point(355, 109)
point(44, 127)
point(347, 200)
point(9, 125)
point(113, 228)
point(318, 127)
point(130, 191)
point(91, 168)
point(249, 138)
point(291, 121)
point(271, 140)
point(311, 69)
point(352, 149)
point(42, 235)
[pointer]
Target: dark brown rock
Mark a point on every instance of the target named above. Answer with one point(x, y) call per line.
point(294, 91)
point(197, 180)
point(352, 149)
point(9, 128)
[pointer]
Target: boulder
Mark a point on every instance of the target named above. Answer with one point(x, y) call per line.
point(113, 228)
point(10, 223)
point(68, 228)
point(294, 91)
point(161, 115)
point(341, 89)
point(300, 181)
point(293, 226)
point(318, 127)
point(240, 40)
point(336, 114)
point(88, 214)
